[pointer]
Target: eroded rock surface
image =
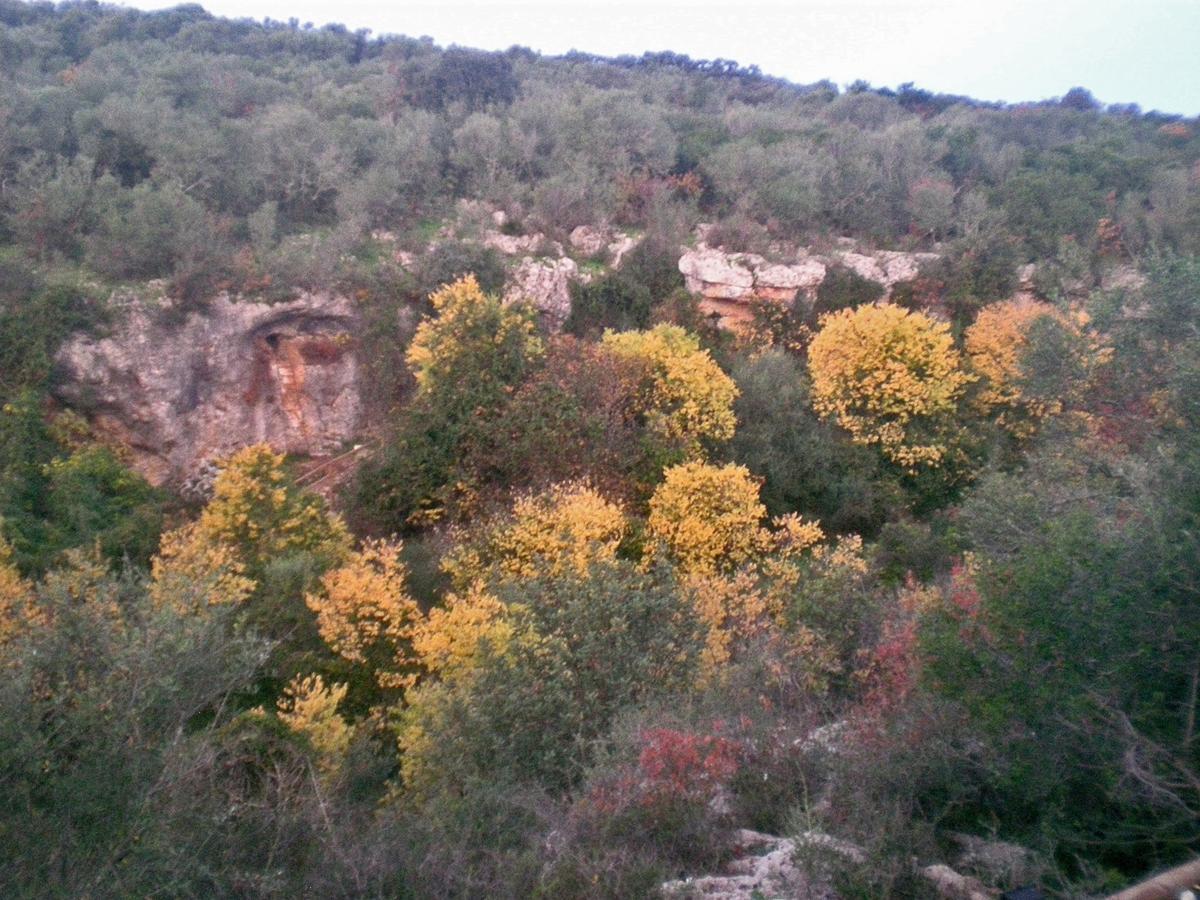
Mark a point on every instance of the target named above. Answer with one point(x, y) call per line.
point(763, 866)
point(545, 283)
point(239, 373)
point(594, 240)
point(730, 283)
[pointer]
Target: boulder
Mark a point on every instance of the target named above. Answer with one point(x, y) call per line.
point(763, 867)
point(899, 266)
point(546, 284)
point(864, 266)
point(237, 373)
point(954, 886)
point(716, 275)
point(589, 239)
point(518, 244)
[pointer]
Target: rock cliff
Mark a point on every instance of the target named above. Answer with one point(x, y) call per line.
point(730, 283)
point(238, 373)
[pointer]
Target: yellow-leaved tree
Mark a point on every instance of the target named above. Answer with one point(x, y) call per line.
point(890, 377)
point(17, 609)
point(309, 708)
point(996, 344)
point(564, 529)
point(449, 638)
point(707, 518)
point(687, 399)
point(256, 515)
point(192, 573)
point(258, 511)
point(473, 345)
point(365, 615)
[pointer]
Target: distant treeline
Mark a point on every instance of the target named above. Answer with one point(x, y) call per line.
point(176, 144)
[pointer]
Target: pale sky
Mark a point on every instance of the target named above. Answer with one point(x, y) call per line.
point(1124, 51)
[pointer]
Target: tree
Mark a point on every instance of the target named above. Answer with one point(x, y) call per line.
point(467, 359)
point(258, 512)
point(92, 499)
point(472, 340)
point(706, 518)
point(687, 399)
point(892, 379)
point(565, 529)
point(578, 417)
point(532, 710)
point(365, 615)
point(997, 346)
point(806, 465)
point(309, 708)
point(1077, 572)
point(452, 637)
point(100, 707)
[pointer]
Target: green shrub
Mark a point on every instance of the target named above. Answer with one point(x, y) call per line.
point(805, 464)
point(613, 301)
point(843, 288)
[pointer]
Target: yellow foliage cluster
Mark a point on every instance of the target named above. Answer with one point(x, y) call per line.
point(434, 702)
point(365, 615)
point(309, 708)
point(83, 577)
point(747, 608)
point(892, 378)
point(734, 609)
point(466, 314)
point(794, 536)
point(705, 518)
point(994, 344)
point(687, 398)
point(255, 510)
point(564, 529)
point(449, 638)
point(191, 573)
point(255, 515)
point(17, 609)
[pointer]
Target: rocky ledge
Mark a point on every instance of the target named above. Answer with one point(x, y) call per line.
point(730, 283)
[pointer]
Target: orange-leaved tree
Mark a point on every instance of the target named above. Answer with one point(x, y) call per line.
point(366, 616)
point(997, 345)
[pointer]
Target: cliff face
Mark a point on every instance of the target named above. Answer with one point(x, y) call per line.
point(239, 373)
point(730, 283)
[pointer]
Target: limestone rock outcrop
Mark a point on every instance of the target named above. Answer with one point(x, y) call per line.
point(592, 240)
point(518, 244)
point(237, 373)
point(763, 866)
point(546, 284)
point(730, 283)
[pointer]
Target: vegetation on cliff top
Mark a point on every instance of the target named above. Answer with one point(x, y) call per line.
point(894, 570)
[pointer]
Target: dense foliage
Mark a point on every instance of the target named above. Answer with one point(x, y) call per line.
point(904, 571)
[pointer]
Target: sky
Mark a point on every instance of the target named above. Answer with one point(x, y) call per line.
point(1124, 51)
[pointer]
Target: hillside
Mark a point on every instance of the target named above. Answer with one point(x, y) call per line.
point(435, 473)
